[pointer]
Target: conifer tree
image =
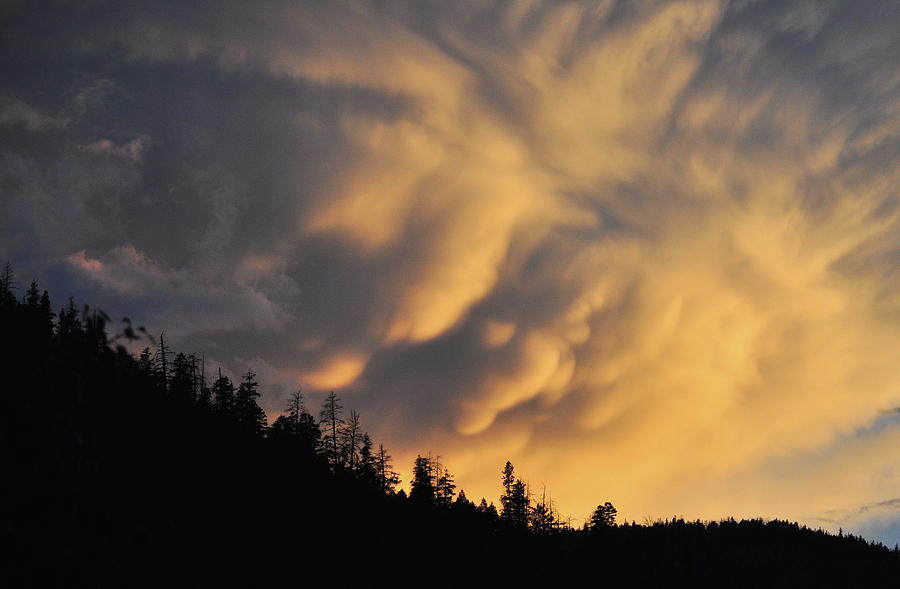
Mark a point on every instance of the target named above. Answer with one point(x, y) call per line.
point(507, 480)
point(32, 297)
point(387, 478)
point(247, 411)
point(541, 517)
point(488, 510)
point(145, 363)
point(462, 502)
point(182, 385)
point(299, 426)
point(604, 516)
point(204, 393)
point(223, 394)
point(162, 362)
point(422, 487)
point(331, 423)
point(443, 486)
point(350, 438)
point(514, 501)
point(7, 286)
point(46, 313)
point(366, 467)
point(69, 323)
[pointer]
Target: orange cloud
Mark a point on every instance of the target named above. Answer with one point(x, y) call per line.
point(671, 241)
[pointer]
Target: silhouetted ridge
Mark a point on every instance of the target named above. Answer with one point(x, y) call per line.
point(147, 471)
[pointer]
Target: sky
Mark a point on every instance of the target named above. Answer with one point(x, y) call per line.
point(647, 251)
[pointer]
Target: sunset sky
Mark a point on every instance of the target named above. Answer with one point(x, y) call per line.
point(647, 251)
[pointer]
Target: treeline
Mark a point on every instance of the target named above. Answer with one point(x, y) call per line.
point(143, 470)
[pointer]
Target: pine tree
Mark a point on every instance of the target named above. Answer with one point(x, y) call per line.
point(32, 297)
point(69, 324)
point(298, 428)
point(46, 314)
point(204, 394)
point(145, 363)
point(443, 485)
point(331, 423)
point(366, 467)
point(507, 480)
point(223, 394)
point(462, 502)
point(541, 518)
point(7, 286)
point(387, 478)
point(518, 505)
point(488, 510)
point(182, 385)
point(514, 502)
point(350, 438)
point(604, 516)
point(247, 411)
point(162, 362)
point(422, 488)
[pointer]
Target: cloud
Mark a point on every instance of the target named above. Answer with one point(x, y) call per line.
point(646, 251)
point(132, 150)
point(129, 274)
point(15, 112)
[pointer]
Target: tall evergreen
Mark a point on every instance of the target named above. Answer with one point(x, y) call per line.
point(223, 394)
point(247, 411)
point(204, 393)
point(443, 485)
point(422, 486)
point(366, 468)
point(182, 385)
point(162, 361)
point(604, 516)
point(385, 474)
point(331, 423)
point(350, 439)
point(7, 287)
point(514, 501)
point(541, 517)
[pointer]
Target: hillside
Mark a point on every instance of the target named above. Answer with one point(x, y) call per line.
point(134, 471)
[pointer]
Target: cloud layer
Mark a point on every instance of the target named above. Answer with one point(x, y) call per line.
point(648, 251)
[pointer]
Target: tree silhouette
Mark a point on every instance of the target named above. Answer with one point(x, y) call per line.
point(108, 474)
point(162, 361)
point(422, 486)
point(7, 286)
point(384, 471)
point(298, 427)
point(366, 468)
point(443, 485)
point(223, 394)
point(350, 439)
point(541, 517)
point(514, 501)
point(331, 423)
point(182, 385)
point(604, 516)
point(247, 411)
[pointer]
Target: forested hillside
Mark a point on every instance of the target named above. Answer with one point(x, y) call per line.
point(155, 470)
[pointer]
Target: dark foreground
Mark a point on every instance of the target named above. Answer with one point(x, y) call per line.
point(118, 474)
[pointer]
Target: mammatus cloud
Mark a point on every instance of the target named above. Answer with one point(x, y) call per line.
point(646, 251)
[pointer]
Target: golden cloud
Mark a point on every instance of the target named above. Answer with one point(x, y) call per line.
point(675, 243)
